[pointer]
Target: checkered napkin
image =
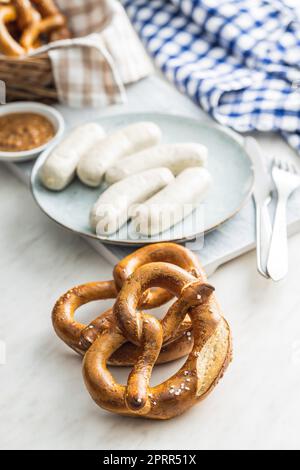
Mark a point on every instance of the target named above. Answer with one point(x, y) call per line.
point(93, 68)
point(238, 59)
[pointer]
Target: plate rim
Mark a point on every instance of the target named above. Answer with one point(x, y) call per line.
point(230, 133)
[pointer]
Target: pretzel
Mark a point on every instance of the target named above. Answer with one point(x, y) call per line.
point(204, 367)
point(8, 45)
point(71, 332)
point(32, 33)
point(47, 8)
point(80, 337)
point(32, 23)
point(164, 252)
point(26, 14)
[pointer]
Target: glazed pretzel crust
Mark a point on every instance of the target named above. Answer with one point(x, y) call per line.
point(80, 337)
point(160, 252)
point(205, 365)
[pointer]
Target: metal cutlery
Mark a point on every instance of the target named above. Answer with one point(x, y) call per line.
point(262, 197)
point(287, 180)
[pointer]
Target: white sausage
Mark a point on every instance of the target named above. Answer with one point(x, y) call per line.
point(112, 210)
point(122, 143)
point(60, 167)
point(173, 203)
point(176, 157)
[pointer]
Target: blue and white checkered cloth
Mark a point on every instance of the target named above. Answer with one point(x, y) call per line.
point(238, 59)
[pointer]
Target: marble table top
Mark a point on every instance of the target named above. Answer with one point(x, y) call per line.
point(43, 401)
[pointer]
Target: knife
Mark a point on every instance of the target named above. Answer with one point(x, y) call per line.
point(262, 197)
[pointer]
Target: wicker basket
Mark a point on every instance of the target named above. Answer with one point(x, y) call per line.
point(28, 79)
point(31, 78)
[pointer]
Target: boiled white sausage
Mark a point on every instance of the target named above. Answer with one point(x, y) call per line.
point(113, 208)
point(176, 157)
point(173, 203)
point(60, 167)
point(121, 143)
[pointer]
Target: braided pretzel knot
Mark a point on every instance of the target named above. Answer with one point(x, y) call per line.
point(205, 365)
point(80, 337)
point(159, 252)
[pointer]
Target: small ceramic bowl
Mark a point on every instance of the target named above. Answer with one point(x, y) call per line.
point(48, 112)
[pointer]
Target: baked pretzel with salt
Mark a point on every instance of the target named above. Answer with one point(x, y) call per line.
point(125, 335)
point(204, 367)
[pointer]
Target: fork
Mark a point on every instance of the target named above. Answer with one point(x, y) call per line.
point(287, 180)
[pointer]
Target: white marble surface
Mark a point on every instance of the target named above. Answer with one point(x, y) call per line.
point(43, 402)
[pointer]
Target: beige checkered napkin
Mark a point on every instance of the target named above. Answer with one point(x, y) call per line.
point(105, 54)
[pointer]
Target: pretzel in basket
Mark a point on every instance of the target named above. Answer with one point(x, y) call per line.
point(204, 367)
point(26, 14)
point(80, 337)
point(52, 21)
point(8, 45)
point(48, 9)
point(125, 335)
point(32, 24)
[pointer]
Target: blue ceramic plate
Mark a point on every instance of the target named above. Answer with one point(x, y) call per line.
point(228, 163)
